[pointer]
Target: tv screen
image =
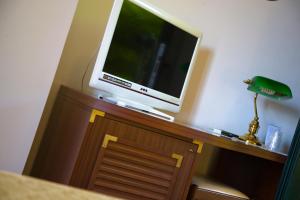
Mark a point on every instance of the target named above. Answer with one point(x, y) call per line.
point(150, 51)
point(146, 56)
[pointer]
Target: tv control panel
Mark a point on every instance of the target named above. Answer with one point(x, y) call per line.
point(117, 81)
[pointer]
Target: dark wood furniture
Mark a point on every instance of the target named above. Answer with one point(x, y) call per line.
point(289, 182)
point(91, 144)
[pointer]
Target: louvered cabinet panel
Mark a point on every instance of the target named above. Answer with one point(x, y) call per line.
point(127, 169)
point(134, 163)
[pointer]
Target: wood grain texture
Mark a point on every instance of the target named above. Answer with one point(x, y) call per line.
point(178, 130)
point(139, 163)
point(61, 143)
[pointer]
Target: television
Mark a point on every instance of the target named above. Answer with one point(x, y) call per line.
point(145, 58)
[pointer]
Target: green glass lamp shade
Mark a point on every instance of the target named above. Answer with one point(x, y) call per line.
point(269, 88)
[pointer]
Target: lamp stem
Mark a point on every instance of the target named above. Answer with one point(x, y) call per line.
point(255, 106)
point(250, 137)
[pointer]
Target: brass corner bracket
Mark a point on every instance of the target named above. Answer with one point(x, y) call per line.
point(179, 159)
point(200, 145)
point(108, 138)
point(96, 113)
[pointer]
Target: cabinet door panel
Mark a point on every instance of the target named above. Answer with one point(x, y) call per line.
point(140, 164)
point(60, 145)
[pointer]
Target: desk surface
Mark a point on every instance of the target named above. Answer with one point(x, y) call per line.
point(182, 131)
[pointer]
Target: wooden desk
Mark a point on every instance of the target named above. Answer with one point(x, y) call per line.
point(143, 156)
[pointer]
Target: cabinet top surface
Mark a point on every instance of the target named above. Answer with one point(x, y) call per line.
point(177, 129)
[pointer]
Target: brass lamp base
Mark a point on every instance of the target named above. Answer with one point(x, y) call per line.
point(251, 137)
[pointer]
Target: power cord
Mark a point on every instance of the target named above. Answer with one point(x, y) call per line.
point(87, 67)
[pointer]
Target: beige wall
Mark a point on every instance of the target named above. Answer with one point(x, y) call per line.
point(83, 41)
point(77, 57)
point(241, 39)
point(32, 36)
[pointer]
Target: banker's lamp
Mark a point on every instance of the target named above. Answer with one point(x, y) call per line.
point(267, 87)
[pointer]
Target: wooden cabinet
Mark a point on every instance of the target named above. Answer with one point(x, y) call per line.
point(88, 148)
point(140, 164)
point(94, 145)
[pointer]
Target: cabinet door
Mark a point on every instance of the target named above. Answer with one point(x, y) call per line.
point(136, 163)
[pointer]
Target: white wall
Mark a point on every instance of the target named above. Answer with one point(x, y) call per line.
point(241, 39)
point(32, 36)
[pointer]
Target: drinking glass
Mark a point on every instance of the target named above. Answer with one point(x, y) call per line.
point(273, 137)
